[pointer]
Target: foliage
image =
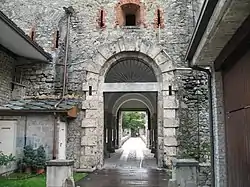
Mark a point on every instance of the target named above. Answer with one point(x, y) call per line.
point(29, 156)
point(36, 181)
point(133, 120)
point(40, 158)
point(6, 159)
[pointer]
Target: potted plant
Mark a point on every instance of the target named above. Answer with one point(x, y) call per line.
point(28, 158)
point(40, 160)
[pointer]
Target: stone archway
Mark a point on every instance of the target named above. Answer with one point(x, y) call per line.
point(161, 64)
point(146, 102)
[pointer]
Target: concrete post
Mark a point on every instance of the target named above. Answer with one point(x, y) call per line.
point(60, 173)
point(185, 172)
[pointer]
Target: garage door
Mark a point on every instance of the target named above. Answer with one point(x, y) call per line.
point(236, 82)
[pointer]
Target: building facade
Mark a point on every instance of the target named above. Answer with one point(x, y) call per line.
point(108, 56)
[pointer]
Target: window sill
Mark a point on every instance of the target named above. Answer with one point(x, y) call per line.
point(130, 27)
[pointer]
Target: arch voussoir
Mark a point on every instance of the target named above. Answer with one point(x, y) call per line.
point(154, 51)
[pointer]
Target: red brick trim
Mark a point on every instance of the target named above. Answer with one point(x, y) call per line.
point(119, 12)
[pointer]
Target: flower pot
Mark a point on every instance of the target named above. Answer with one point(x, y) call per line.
point(40, 170)
point(28, 170)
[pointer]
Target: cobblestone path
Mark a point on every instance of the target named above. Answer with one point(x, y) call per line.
point(131, 166)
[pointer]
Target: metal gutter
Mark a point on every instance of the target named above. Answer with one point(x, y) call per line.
point(201, 26)
point(21, 33)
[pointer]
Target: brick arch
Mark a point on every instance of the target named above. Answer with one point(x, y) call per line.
point(119, 12)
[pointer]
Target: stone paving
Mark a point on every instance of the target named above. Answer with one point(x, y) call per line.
point(131, 166)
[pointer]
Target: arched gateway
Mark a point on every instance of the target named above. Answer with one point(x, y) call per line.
point(129, 73)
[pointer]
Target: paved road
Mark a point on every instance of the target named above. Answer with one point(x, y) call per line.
point(131, 166)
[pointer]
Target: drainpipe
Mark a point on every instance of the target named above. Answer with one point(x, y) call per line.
point(69, 11)
point(25, 130)
point(211, 123)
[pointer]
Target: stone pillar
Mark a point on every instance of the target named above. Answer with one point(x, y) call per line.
point(114, 129)
point(154, 133)
point(120, 130)
point(148, 139)
point(171, 123)
point(60, 173)
point(185, 172)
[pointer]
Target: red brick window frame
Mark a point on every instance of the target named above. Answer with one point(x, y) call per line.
point(130, 7)
point(159, 20)
point(101, 18)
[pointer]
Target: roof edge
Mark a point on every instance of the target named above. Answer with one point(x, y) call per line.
point(21, 33)
point(200, 28)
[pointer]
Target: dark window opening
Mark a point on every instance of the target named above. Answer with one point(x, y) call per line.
point(90, 90)
point(170, 90)
point(57, 39)
point(130, 20)
point(158, 18)
point(102, 19)
point(32, 36)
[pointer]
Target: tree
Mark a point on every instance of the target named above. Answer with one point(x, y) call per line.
point(133, 120)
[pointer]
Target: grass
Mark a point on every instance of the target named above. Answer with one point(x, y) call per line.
point(36, 181)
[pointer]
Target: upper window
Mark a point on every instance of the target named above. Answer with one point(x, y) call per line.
point(130, 20)
point(131, 15)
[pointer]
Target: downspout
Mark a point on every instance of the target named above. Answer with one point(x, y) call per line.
point(69, 12)
point(25, 130)
point(211, 122)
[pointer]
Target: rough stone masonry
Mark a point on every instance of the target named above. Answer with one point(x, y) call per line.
point(97, 39)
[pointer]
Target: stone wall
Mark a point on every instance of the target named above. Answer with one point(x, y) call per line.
point(74, 133)
point(193, 133)
point(205, 177)
point(38, 80)
point(7, 63)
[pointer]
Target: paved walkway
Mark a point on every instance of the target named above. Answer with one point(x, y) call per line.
point(132, 155)
point(131, 166)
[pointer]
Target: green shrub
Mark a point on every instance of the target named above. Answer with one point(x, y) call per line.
point(6, 159)
point(29, 156)
point(40, 159)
